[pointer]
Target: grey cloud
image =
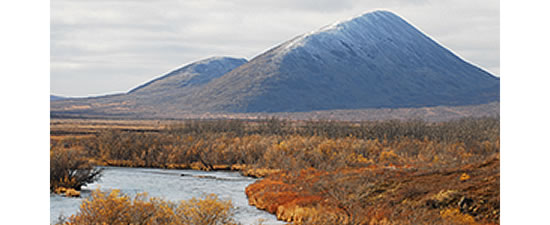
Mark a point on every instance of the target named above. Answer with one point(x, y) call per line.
point(324, 6)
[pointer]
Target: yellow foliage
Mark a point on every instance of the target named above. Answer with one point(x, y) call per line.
point(445, 196)
point(454, 216)
point(115, 208)
point(359, 158)
point(258, 172)
point(436, 159)
point(208, 210)
point(389, 156)
point(464, 177)
point(72, 193)
point(60, 190)
point(198, 166)
point(177, 166)
point(238, 166)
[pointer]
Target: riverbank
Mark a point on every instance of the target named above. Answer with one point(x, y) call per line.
point(244, 170)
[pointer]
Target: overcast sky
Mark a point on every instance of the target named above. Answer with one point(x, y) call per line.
point(111, 46)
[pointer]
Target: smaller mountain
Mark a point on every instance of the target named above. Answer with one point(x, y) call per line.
point(163, 94)
point(56, 98)
point(168, 91)
point(191, 75)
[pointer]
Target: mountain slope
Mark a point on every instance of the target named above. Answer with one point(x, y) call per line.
point(376, 60)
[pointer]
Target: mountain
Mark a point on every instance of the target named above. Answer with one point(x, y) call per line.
point(56, 98)
point(376, 60)
point(192, 75)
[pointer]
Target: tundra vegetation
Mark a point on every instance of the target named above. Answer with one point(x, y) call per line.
point(322, 172)
point(115, 208)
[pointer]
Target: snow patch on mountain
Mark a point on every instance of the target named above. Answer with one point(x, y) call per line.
point(355, 33)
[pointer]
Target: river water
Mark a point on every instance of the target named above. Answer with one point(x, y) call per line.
point(169, 185)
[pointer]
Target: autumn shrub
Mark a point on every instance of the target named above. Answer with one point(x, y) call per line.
point(115, 208)
point(466, 130)
point(357, 154)
point(208, 210)
point(279, 144)
point(384, 195)
point(70, 169)
point(202, 127)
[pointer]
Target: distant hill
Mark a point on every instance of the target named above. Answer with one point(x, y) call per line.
point(56, 98)
point(188, 77)
point(373, 61)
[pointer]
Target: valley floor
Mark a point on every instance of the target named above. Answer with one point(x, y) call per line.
point(319, 172)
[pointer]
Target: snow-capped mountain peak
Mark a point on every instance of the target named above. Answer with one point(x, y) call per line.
point(373, 60)
point(351, 30)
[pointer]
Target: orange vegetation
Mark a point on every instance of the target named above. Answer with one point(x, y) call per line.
point(68, 192)
point(384, 195)
point(322, 172)
point(115, 208)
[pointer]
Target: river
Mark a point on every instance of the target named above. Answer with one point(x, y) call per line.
point(169, 185)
